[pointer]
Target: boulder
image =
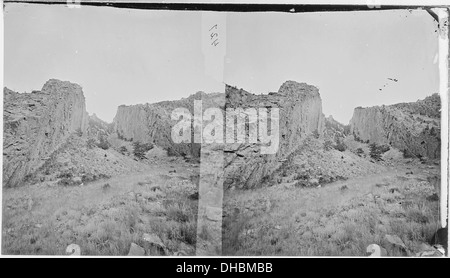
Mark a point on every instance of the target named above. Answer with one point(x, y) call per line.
point(136, 250)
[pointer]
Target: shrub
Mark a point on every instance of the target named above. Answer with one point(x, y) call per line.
point(123, 150)
point(172, 152)
point(302, 183)
point(65, 175)
point(103, 144)
point(140, 149)
point(340, 146)
point(327, 145)
point(79, 132)
point(433, 131)
point(407, 153)
point(91, 143)
point(359, 151)
point(316, 134)
point(377, 150)
point(88, 177)
point(106, 186)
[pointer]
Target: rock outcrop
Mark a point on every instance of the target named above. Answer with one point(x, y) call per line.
point(300, 114)
point(152, 123)
point(334, 130)
point(413, 128)
point(98, 128)
point(36, 124)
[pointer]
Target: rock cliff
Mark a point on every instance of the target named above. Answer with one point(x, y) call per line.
point(300, 114)
point(36, 124)
point(334, 130)
point(413, 128)
point(98, 128)
point(152, 123)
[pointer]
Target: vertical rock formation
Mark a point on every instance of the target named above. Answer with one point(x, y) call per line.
point(36, 124)
point(152, 123)
point(98, 128)
point(300, 114)
point(335, 130)
point(411, 127)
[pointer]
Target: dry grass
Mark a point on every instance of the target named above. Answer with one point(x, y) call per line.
point(332, 222)
point(102, 221)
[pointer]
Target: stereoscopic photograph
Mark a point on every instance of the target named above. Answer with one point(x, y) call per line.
point(152, 130)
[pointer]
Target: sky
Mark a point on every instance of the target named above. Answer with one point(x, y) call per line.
point(122, 56)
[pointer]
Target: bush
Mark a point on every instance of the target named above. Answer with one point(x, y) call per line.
point(407, 153)
point(65, 175)
point(377, 150)
point(340, 146)
point(103, 144)
point(172, 152)
point(140, 149)
point(88, 177)
point(106, 186)
point(316, 134)
point(123, 150)
point(79, 132)
point(327, 145)
point(91, 143)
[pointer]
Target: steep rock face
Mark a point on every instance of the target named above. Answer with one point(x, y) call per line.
point(335, 130)
point(98, 128)
point(411, 127)
point(300, 114)
point(36, 124)
point(152, 123)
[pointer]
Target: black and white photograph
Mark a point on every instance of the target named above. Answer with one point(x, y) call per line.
point(137, 128)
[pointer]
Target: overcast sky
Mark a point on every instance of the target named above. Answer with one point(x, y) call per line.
point(124, 56)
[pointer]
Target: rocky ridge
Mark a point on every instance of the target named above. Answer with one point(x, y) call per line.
point(152, 123)
point(300, 114)
point(36, 124)
point(413, 128)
